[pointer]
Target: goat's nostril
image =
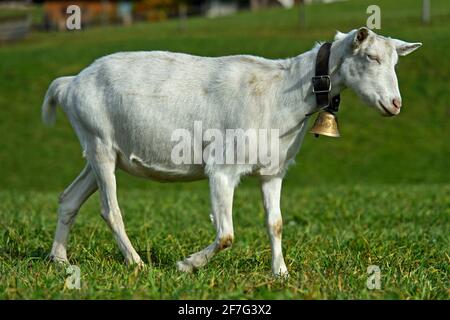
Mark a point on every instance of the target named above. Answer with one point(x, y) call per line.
point(397, 103)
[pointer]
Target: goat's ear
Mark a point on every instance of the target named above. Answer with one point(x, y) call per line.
point(360, 35)
point(404, 48)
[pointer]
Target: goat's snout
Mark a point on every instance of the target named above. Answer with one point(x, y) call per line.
point(397, 103)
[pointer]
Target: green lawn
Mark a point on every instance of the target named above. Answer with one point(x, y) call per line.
point(379, 195)
point(330, 238)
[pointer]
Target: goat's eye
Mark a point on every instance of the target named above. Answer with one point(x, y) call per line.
point(373, 58)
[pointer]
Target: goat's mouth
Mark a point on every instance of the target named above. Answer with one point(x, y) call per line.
point(386, 111)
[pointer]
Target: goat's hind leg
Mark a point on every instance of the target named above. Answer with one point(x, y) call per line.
point(104, 165)
point(70, 202)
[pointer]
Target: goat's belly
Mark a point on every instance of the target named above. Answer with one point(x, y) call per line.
point(162, 172)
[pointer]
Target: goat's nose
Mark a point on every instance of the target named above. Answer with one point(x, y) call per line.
point(397, 103)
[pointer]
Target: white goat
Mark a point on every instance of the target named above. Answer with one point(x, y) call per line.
point(125, 107)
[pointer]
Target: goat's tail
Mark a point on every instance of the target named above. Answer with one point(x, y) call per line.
point(53, 98)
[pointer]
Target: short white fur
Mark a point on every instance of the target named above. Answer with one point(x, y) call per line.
point(125, 106)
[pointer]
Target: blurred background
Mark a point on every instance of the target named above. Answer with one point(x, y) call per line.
point(36, 47)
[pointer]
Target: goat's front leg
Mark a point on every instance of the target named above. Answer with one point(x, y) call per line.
point(271, 191)
point(222, 190)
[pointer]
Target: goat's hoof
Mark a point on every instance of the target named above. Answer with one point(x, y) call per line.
point(59, 260)
point(184, 266)
point(281, 274)
point(140, 265)
point(136, 262)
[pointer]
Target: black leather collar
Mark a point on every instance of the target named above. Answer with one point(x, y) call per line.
point(322, 81)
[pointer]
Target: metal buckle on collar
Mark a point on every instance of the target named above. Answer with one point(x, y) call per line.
point(319, 82)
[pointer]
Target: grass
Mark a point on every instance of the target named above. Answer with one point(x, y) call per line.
point(330, 238)
point(379, 195)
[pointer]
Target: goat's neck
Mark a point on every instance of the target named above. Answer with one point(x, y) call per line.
point(297, 93)
point(307, 62)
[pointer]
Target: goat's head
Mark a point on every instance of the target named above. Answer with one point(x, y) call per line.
point(368, 67)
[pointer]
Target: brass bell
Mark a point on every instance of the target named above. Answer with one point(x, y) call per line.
point(326, 125)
